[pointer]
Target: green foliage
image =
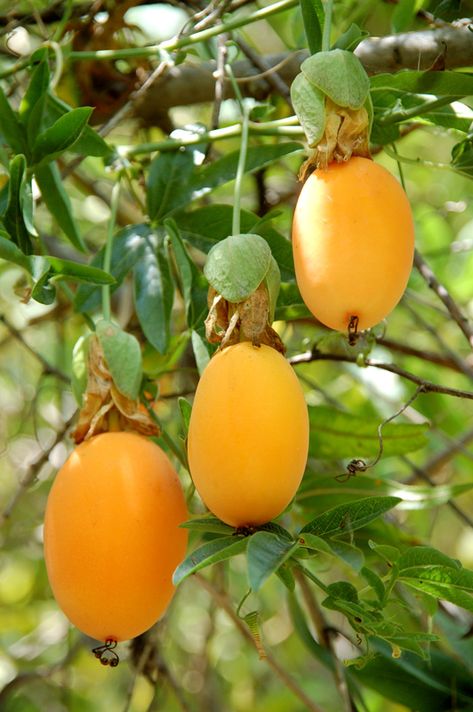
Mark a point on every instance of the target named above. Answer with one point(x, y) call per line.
point(374, 560)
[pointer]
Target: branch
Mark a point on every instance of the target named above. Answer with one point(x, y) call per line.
point(195, 83)
point(443, 294)
point(221, 599)
point(427, 386)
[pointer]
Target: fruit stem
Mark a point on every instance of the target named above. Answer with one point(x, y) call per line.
point(107, 258)
point(327, 26)
point(240, 171)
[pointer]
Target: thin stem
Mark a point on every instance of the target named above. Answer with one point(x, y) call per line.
point(107, 258)
point(327, 26)
point(392, 153)
point(240, 172)
point(182, 42)
point(281, 127)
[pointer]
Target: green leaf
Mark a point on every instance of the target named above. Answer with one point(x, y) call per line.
point(445, 83)
point(340, 76)
point(209, 524)
point(13, 218)
point(10, 126)
point(186, 409)
point(349, 517)
point(390, 554)
point(403, 15)
point(322, 492)
point(312, 541)
point(350, 554)
point(123, 356)
point(89, 143)
point(313, 17)
point(58, 203)
point(201, 352)
point(154, 292)
point(462, 158)
point(451, 584)
point(79, 367)
point(374, 582)
point(169, 183)
point(62, 135)
point(34, 96)
point(236, 266)
point(128, 246)
point(351, 38)
point(194, 284)
point(10, 252)
point(266, 553)
point(214, 551)
point(336, 434)
point(206, 226)
point(78, 272)
point(212, 175)
point(425, 556)
point(309, 105)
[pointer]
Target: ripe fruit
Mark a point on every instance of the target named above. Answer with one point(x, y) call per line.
point(111, 536)
point(248, 434)
point(353, 243)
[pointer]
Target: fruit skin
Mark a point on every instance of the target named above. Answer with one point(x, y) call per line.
point(248, 435)
point(353, 243)
point(111, 536)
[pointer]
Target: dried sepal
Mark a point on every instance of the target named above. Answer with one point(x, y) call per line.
point(346, 134)
point(229, 323)
point(104, 407)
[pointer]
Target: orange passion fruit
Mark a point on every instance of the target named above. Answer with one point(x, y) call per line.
point(248, 435)
point(111, 535)
point(353, 243)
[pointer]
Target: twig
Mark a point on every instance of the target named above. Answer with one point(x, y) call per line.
point(325, 639)
point(427, 386)
point(267, 72)
point(47, 368)
point(222, 600)
point(33, 470)
point(431, 356)
point(444, 296)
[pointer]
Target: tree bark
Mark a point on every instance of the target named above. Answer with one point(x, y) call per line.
point(188, 83)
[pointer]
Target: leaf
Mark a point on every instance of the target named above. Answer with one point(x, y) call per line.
point(425, 556)
point(350, 554)
point(351, 38)
point(78, 272)
point(322, 492)
point(208, 523)
point(421, 686)
point(390, 554)
point(462, 158)
point(403, 15)
point(374, 582)
point(336, 434)
point(127, 248)
point(89, 143)
point(206, 226)
point(236, 266)
point(169, 183)
point(266, 553)
point(13, 218)
point(62, 135)
point(339, 75)
point(154, 292)
point(309, 105)
point(312, 541)
point(10, 126)
point(201, 352)
point(34, 96)
point(212, 175)
point(57, 200)
point(194, 284)
point(214, 551)
point(186, 410)
point(123, 356)
point(440, 84)
point(313, 17)
point(445, 582)
point(79, 367)
point(10, 252)
point(349, 517)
